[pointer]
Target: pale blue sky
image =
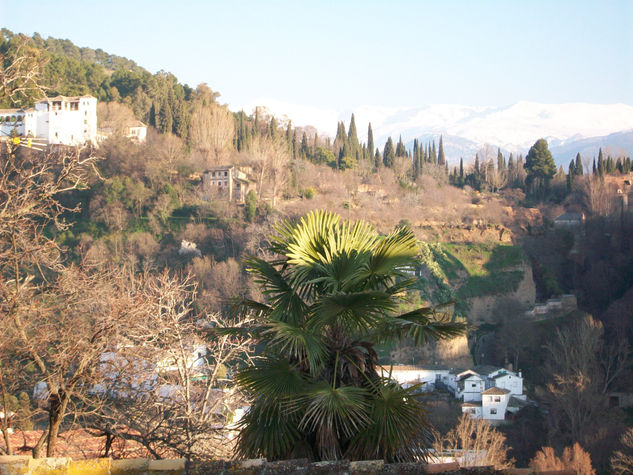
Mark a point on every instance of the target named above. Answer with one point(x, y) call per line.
point(345, 54)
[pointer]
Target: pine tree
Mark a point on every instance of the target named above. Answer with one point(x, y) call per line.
point(441, 159)
point(389, 154)
point(540, 167)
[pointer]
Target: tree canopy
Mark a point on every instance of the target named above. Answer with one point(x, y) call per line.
point(332, 294)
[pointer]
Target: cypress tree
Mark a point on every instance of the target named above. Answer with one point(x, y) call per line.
point(303, 151)
point(578, 166)
point(461, 169)
point(501, 161)
point(352, 135)
point(401, 151)
point(594, 170)
point(433, 154)
point(377, 160)
point(441, 159)
point(294, 144)
point(389, 154)
point(601, 164)
point(416, 159)
point(370, 139)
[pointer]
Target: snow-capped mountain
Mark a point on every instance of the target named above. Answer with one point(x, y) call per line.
point(569, 128)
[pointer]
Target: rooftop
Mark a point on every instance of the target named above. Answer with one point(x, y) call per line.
point(570, 217)
point(65, 98)
point(496, 391)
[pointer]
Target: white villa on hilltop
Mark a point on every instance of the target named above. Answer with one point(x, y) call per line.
point(486, 392)
point(58, 120)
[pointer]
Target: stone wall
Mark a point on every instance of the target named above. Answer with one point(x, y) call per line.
point(23, 465)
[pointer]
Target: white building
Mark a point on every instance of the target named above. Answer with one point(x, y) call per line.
point(409, 375)
point(494, 403)
point(470, 385)
point(58, 120)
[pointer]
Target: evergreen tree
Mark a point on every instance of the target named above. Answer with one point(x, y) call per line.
point(352, 135)
point(401, 151)
point(389, 154)
point(540, 167)
point(441, 159)
point(416, 159)
point(501, 161)
point(594, 170)
point(601, 165)
point(370, 140)
point(578, 166)
point(294, 144)
point(433, 154)
point(377, 159)
point(303, 151)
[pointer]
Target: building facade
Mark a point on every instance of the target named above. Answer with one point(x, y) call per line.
point(58, 120)
point(227, 181)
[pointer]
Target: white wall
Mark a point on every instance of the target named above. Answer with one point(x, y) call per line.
point(473, 387)
point(494, 406)
point(511, 382)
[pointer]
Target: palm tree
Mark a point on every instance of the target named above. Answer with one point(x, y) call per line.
point(332, 293)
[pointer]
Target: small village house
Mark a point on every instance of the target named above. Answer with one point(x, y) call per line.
point(226, 181)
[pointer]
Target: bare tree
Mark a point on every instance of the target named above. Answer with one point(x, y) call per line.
point(19, 73)
point(622, 460)
point(212, 126)
point(475, 443)
point(582, 369)
point(167, 383)
point(271, 160)
point(599, 198)
point(574, 458)
point(115, 116)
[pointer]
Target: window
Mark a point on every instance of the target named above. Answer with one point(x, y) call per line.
point(226, 173)
point(497, 398)
point(473, 385)
point(493, 411)
point(226, 183)
point(85, 121)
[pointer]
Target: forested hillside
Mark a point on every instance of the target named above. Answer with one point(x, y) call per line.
point(489, 242)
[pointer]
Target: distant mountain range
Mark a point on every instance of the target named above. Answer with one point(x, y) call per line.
point(569, 128)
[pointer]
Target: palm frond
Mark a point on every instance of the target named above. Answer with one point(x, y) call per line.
point(271, 378)
point(394, 252)
point(399, 429)
point(296, 342)
point(343, 409)
point(268, 431)
point(354, 312)
point(284, 301)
